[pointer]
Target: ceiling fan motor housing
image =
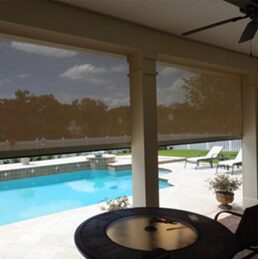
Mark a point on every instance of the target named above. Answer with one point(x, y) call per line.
point(249, 10)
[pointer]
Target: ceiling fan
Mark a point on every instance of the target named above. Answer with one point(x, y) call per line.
point(250, 10)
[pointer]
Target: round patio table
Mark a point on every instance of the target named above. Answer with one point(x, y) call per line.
point(134, 233)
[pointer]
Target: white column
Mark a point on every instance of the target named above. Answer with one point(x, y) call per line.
point(144, 130)
point(250, 140)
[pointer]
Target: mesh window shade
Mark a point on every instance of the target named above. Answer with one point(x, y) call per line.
point(197, 105)
point(55, 100)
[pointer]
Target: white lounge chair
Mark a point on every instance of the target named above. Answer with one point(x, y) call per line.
point(213, 153)
point(232, 162)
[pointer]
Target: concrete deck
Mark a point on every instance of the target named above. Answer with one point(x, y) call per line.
point(120, 160)
point(51, 236)
point(34, 164)
point(70, 164)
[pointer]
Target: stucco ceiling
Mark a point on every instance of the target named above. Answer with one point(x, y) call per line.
point(178, 16)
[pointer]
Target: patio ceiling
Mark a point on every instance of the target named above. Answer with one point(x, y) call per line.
point(178, 16)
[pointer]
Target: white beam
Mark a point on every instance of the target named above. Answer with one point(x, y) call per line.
point(58, 23)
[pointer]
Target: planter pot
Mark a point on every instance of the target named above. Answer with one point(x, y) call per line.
point(25, 160)
point(225, 199)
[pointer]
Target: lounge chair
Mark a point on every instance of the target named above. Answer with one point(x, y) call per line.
point(213, 153)
point(231, 163)
point(247, 231)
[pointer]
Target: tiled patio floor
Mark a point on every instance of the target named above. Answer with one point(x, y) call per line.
point(191, 190)
point(51, 236)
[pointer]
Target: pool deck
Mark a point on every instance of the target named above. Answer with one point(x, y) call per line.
point(120, 160)
point(125, 162)
point(34, 164)
point(71, 164)
point(50, 237)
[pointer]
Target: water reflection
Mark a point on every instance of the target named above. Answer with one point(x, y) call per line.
point(82, 186)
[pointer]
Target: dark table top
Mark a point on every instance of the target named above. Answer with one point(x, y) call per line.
point(132, 233)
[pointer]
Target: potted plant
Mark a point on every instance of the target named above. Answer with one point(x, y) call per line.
point(224, 187)
point(25, 160)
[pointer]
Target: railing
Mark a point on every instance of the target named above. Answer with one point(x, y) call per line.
point(229, 145)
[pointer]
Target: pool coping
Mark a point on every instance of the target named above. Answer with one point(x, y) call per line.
point(65, 165)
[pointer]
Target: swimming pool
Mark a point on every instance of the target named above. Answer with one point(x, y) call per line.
point(37, 196)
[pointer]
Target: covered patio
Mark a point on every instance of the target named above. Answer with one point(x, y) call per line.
point(145, 41)
point(147, 34)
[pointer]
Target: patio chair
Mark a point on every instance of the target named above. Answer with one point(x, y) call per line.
point(231, 163)
point(213, 153)
point(247, 231)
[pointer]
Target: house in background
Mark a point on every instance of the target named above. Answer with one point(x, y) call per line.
point(148, 33)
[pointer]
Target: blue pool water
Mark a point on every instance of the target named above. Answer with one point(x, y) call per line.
point(32, 197)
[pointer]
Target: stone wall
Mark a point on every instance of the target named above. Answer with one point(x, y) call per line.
point(43, 170)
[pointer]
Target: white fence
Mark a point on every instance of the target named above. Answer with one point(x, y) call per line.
point(229, 145)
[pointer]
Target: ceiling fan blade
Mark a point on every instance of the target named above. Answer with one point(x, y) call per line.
point(215, 25)
point(249, 32)
point(242, 3)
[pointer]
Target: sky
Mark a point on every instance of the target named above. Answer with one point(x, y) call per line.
point(170, 81)
point(71, 75)
point(66, 74)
